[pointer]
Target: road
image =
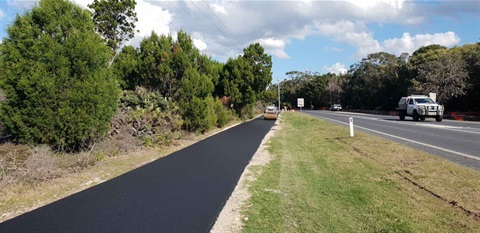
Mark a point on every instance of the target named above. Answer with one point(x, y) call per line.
point(183, 192)
point(457, 141)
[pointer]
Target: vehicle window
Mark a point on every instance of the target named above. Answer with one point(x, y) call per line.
point(424, 101)
point(410, 101)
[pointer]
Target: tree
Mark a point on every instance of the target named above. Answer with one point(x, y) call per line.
point(246, 78)
point(115, 21)
point(469, 102)
point(447, 76)
point(126, 68)
point(155, 64)
point(376, 82)
point(261, 66)
point(55, 78)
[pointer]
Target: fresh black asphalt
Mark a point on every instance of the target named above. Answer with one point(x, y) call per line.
point(183, 192)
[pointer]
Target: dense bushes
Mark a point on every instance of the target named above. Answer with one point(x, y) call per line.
point(148, 116)
point(58, 91)
point(59, 87)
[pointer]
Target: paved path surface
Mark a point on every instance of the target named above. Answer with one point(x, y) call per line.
point(183, 192)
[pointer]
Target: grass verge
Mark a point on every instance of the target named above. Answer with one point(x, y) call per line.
point(321, 180)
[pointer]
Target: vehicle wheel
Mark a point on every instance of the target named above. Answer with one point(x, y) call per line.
point(415, 116)
point(422, 118)
point(439, 118)
point(401, 115)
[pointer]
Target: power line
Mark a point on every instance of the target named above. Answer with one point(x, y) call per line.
point(185, 12)
point(214, 24)
point(216, 16)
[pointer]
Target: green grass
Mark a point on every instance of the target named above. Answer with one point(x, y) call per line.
point(321, 180)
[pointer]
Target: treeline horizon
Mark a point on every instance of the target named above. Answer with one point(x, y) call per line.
point(378, 81)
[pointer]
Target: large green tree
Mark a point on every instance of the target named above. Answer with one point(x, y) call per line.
point(469, 102)
point(115, 21)
point(439, 70)
point(156, 65)
point(376, 82)
point(55, 77)
point(247, 77)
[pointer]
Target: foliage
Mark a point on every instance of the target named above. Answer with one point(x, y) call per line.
point(313, 87)
point(469, 102)
point(145, 114)
point(221, 113)
point(115, 21)
point(446, 75)
point(376, 82)
point(155, 67)
point(142, 98)
point(58, 91)
point(246, 78)
point(126, 68)
point(199, 114)
point(379, 80)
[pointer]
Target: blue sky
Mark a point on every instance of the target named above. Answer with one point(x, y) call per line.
point(319, 36)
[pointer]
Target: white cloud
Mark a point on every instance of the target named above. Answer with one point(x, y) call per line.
point(223, 28)
point(337, 68)
point(333, 49)
point(352, 33)
point(83, 3)
point(274, 46)
point(152, 18)
point(409, 44)
point(219, 9)
point(1, 13)
point(199, 44)
point(367, 4)
point(22, 4)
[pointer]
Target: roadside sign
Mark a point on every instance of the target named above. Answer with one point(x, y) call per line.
point(300, 102)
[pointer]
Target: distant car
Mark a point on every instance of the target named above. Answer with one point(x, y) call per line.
point(336, 107)
point(270, 113)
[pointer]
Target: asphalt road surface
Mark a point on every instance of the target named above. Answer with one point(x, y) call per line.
point(457, 141)
point(183, 192)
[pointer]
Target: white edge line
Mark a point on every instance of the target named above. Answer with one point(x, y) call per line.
point(411, 141)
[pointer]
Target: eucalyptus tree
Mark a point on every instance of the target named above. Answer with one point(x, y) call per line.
point(376, 82)
point(439, 70)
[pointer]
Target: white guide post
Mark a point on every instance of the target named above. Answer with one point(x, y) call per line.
point(351, 126)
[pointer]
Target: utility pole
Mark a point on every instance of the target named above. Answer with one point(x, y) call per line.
point(330, 88)
point(278, 95)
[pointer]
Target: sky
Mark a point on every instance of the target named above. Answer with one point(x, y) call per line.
point(304, 35)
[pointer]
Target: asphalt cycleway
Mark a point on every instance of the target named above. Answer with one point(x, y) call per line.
point(183, 192)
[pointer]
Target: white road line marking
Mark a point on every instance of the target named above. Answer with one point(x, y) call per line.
point(412, 141)
point(445, 127)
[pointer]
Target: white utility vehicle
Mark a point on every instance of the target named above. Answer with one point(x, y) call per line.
point(419, 107)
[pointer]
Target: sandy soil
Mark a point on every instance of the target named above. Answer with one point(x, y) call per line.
point(230, 218)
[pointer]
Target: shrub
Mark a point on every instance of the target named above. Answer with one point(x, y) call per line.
point(221, 112)
point(199, 114)
point(55, 78)
point(146, 116)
